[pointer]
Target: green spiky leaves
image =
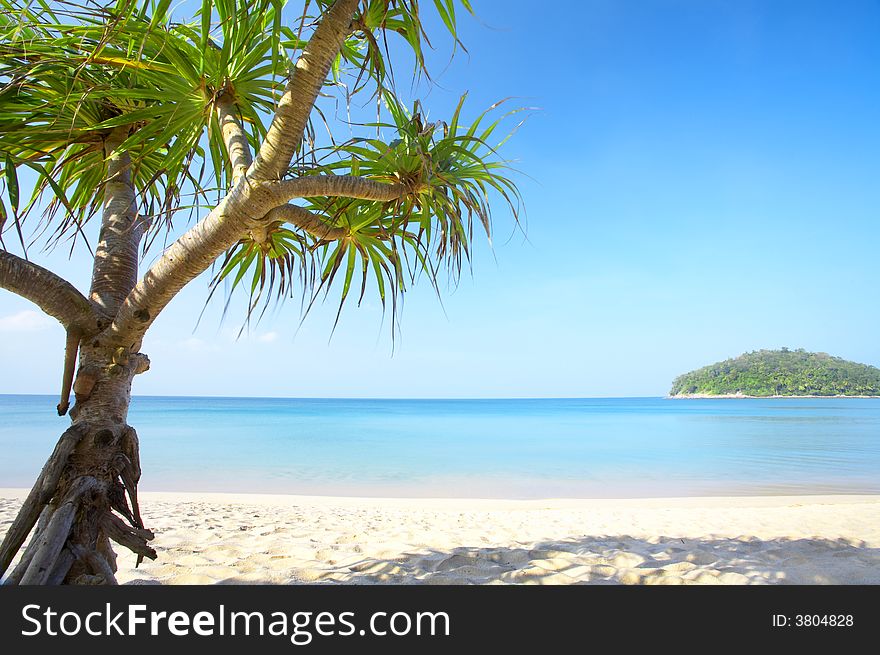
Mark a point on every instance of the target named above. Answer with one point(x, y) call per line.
point(72, 74)
point(451, 174)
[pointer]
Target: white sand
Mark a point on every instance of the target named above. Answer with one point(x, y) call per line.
point(242, 538)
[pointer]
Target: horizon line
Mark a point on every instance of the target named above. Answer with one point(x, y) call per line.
point(52, 395)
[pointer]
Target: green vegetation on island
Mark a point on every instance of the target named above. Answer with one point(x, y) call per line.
point(780, 373)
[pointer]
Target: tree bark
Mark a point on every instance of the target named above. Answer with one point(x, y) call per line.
point(54, 537)
point(237, 148)
point(116, 257)
point(311, 69)
point(306, 220)
point(54, 295)
point(342, 186)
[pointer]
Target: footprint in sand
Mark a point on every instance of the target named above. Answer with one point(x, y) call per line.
point(701, 557)
point(471, 565)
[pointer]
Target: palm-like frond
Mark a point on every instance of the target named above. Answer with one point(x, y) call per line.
point(70, 74)
point(454, 175)
point(66, 85)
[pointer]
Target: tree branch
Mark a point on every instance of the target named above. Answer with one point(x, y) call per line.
point(237, 147)
point(195, 251)
point(311, 69)
point(305, 220)
point(189, 256)
point(342, 186)
point(54, 295)
point(250, 199)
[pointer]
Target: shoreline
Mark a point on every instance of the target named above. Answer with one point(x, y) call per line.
point(224, 538)
point(561, 502)
point(262, 498)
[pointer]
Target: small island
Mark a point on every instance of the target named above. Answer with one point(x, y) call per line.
point(779, 373)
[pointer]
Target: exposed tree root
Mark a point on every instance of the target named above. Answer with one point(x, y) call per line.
point(52, 540)
point(41, 493)
point(91, 474)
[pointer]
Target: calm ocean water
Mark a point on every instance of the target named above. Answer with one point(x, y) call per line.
point(621, 447)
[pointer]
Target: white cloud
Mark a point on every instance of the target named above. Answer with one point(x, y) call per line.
point(269, 337)
point(194, 344)
point(24, 321)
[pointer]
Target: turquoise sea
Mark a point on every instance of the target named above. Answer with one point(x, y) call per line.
point(607, 447)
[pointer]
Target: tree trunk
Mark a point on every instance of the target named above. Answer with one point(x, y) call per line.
point(86, 495)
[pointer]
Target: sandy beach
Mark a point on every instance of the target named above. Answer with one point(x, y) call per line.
point(248, 539)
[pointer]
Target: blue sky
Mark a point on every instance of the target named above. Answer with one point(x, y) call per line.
point(701, 180)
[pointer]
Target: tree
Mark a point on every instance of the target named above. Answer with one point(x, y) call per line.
point(123, 114)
